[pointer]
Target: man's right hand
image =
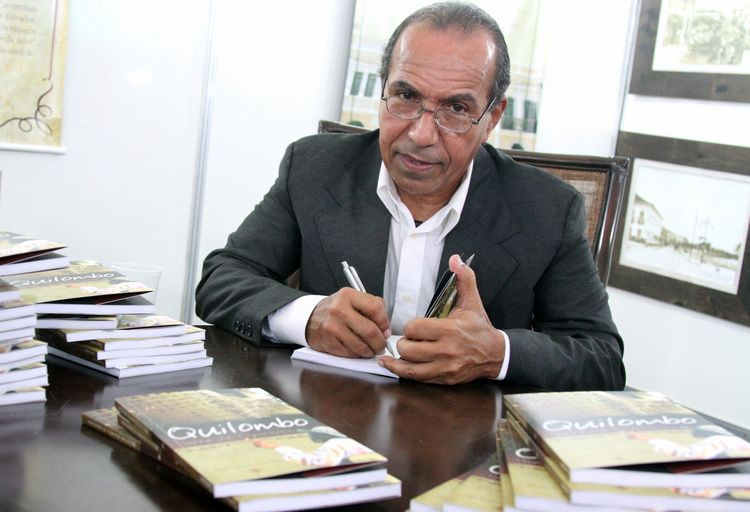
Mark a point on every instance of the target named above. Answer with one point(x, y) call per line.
point(349, 324)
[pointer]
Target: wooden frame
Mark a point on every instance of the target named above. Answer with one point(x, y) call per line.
point(695, 85)
point(712, 160)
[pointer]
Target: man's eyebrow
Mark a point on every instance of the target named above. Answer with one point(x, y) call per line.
point(461, 97)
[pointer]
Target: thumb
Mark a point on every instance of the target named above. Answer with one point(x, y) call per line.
point(466, 284)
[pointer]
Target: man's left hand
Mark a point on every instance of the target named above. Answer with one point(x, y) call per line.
point(460, 348)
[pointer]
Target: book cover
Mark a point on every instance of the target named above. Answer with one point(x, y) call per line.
point(134, 371)
point(234, 441)
point(86, 282)
point(23, 396)
point(610, 437)
point(15, 247)
point(49, 261)
point(76, 322)
point(193, 334)
point(131, 305)
point(16, 308)
point(480, 491)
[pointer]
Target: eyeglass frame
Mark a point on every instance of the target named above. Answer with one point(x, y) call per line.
point(435, 113)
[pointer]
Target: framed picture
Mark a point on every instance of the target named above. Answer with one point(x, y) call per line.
point(698, 49)
point(683, 233)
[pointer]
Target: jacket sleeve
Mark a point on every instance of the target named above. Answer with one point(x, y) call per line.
point(573, 343)
point(245, 281)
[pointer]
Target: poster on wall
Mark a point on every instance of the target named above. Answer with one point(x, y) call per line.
point(373, 24)
point(683, 234)
point(33, 40)
point(697, 49)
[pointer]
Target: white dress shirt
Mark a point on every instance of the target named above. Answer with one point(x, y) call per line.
point(411, 267)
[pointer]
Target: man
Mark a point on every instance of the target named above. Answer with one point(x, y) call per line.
point(396, 204)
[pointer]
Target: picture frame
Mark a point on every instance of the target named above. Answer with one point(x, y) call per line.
point(700, 80)
point(683, 233)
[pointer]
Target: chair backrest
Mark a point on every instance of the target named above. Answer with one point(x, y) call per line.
point(601, 181)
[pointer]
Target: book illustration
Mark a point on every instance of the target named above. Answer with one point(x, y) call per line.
point(230, 439)
point(86, 281)
point(16, 247)
point(140, 321)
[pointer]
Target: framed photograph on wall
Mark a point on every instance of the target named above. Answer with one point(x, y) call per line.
point(683, 232)
point(697, 49)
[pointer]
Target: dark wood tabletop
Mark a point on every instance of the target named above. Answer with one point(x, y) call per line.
point(49, 461)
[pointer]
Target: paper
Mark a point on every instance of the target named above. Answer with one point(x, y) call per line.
point(358, 365)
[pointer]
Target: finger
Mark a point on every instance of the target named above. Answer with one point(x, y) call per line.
point(423, 372)
point(426, 329)
point(416, 351)
point(373, 308)
point(466, 284)
point(368, 333)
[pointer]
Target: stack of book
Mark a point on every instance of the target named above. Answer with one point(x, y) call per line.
point(137, 345)
point(248, 448)
point(23, 373)
point(621, 450)
point(20, 254)
point(602, 452)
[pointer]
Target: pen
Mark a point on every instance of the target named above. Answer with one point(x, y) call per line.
point(355, 282)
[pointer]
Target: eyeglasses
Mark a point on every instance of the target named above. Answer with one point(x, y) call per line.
point(444, 117)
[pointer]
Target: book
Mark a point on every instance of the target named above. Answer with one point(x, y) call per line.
point(631, 438)
point(235, 441)
point(8, 292)
point(23, 395)
point(480, 491)
point(15, 247)
point(532, 487)
point(47, 261)
point(17, 323)
point(93, 352)
point(16, 309)
point(83, 283)
point(369, 365)
point(29, 371)
point(543, 487)
point(433, 499)
point(128, 326)
point(131, 305)
point(16, 335)
point(106, 422)
point(25, 383)
point(134, 371)
point(26, 361)
point(76, 322)
point(193, 334)
point(21, 350)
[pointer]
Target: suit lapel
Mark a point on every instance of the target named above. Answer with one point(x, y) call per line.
point(356, 226)
point(482, 229)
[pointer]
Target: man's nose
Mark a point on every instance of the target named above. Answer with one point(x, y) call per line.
point(424, 131)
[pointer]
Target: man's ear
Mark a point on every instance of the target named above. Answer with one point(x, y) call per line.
point(495, 114)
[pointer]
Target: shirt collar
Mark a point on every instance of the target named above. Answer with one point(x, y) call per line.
point(447, 217)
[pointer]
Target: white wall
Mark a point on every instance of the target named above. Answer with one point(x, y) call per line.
point(123, 190)
point(273, 83)
point(699, 360)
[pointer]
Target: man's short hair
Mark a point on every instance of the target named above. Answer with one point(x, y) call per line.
point(468, 17)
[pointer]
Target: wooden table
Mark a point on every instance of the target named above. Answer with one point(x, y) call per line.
point(49, 461)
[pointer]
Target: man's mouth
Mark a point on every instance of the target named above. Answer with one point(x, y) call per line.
point(415, 163)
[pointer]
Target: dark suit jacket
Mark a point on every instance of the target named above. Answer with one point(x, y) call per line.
point(534, 268)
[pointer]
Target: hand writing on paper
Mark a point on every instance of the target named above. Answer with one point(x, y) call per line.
point(349, 324)
point(460, 348)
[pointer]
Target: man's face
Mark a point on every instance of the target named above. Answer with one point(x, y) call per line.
point(439, 68)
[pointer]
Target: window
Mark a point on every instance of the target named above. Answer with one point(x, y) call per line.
point(356, 83)
point(507, 122)
point(372, 78)
point(529, 116)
